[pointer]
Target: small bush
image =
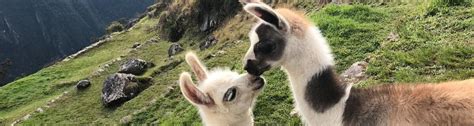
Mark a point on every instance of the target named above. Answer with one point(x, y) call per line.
point(449, 3)
point(114, 27)
point(439, 6)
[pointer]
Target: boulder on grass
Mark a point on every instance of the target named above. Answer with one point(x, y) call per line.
point(174, 49)
point(119, 88)
point(210, 41)
point(83, 84)
point(136, 45)
point(135, 66)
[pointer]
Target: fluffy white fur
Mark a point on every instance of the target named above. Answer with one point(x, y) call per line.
point(313, 54)
point(307, 53)
point(303, 58)
point(208, 95)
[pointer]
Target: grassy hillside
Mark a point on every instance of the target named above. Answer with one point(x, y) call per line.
point(432, 45)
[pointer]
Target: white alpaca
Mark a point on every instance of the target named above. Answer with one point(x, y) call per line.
point(284, 38)
point(223, 97)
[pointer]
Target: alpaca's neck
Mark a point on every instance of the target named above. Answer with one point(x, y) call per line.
point(218, 119)
point(309, 55)
point(319, 96)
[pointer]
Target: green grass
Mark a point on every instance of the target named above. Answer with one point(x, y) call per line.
point(25, 95)
point(431, 48)
point(352, 31)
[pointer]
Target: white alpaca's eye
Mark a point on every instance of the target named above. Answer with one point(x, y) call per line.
point(230, 94)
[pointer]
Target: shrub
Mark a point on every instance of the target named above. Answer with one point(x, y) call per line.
point(439, 6)
point(115, 27)
point(448, 3)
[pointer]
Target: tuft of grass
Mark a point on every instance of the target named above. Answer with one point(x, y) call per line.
point(114, 27)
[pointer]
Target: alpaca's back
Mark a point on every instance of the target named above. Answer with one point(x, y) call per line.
point(449, 103)
point(442, 104)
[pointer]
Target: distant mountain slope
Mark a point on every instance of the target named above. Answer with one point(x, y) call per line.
point(34, 33)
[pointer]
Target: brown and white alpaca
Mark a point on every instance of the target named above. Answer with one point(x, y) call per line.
point(223, 97)
point(285, 38)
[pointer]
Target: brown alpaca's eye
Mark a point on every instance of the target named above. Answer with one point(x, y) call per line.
point(230, 94)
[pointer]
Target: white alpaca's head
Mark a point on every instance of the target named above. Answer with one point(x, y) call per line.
point(278, 37)
point(220, 92)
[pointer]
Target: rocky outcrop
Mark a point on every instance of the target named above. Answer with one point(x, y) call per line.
point(174, 49)
point(210, 41)
point(198, 18)
point(135, 66)
point(83, 84)
point(119, 88)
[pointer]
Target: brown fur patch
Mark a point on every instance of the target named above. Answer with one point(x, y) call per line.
point(297, 21)
point(435, 104)
point(448, 103)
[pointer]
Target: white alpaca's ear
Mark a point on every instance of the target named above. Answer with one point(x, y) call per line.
point(267, 14)
point(199, 70)
point(249, 1)
point(191, 92)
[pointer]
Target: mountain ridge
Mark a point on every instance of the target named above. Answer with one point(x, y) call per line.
point(54, 28)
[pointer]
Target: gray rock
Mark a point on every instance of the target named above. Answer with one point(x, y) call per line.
point(126, 120)
point(83, 84)
point(26, 117)
point(154, 40)
point(40, 110)
point(136, 45)
point(210, 21)
point(393, 37)
point(135, 66)
point(355, 73)
point(174, 49)
point(210, 41)
point(119, 88)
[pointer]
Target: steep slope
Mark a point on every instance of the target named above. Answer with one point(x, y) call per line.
point(35, 33)
point(400, 45)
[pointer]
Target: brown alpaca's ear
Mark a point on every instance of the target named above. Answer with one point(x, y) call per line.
point(199, 70)
point(267, 14)
point(192, 93)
